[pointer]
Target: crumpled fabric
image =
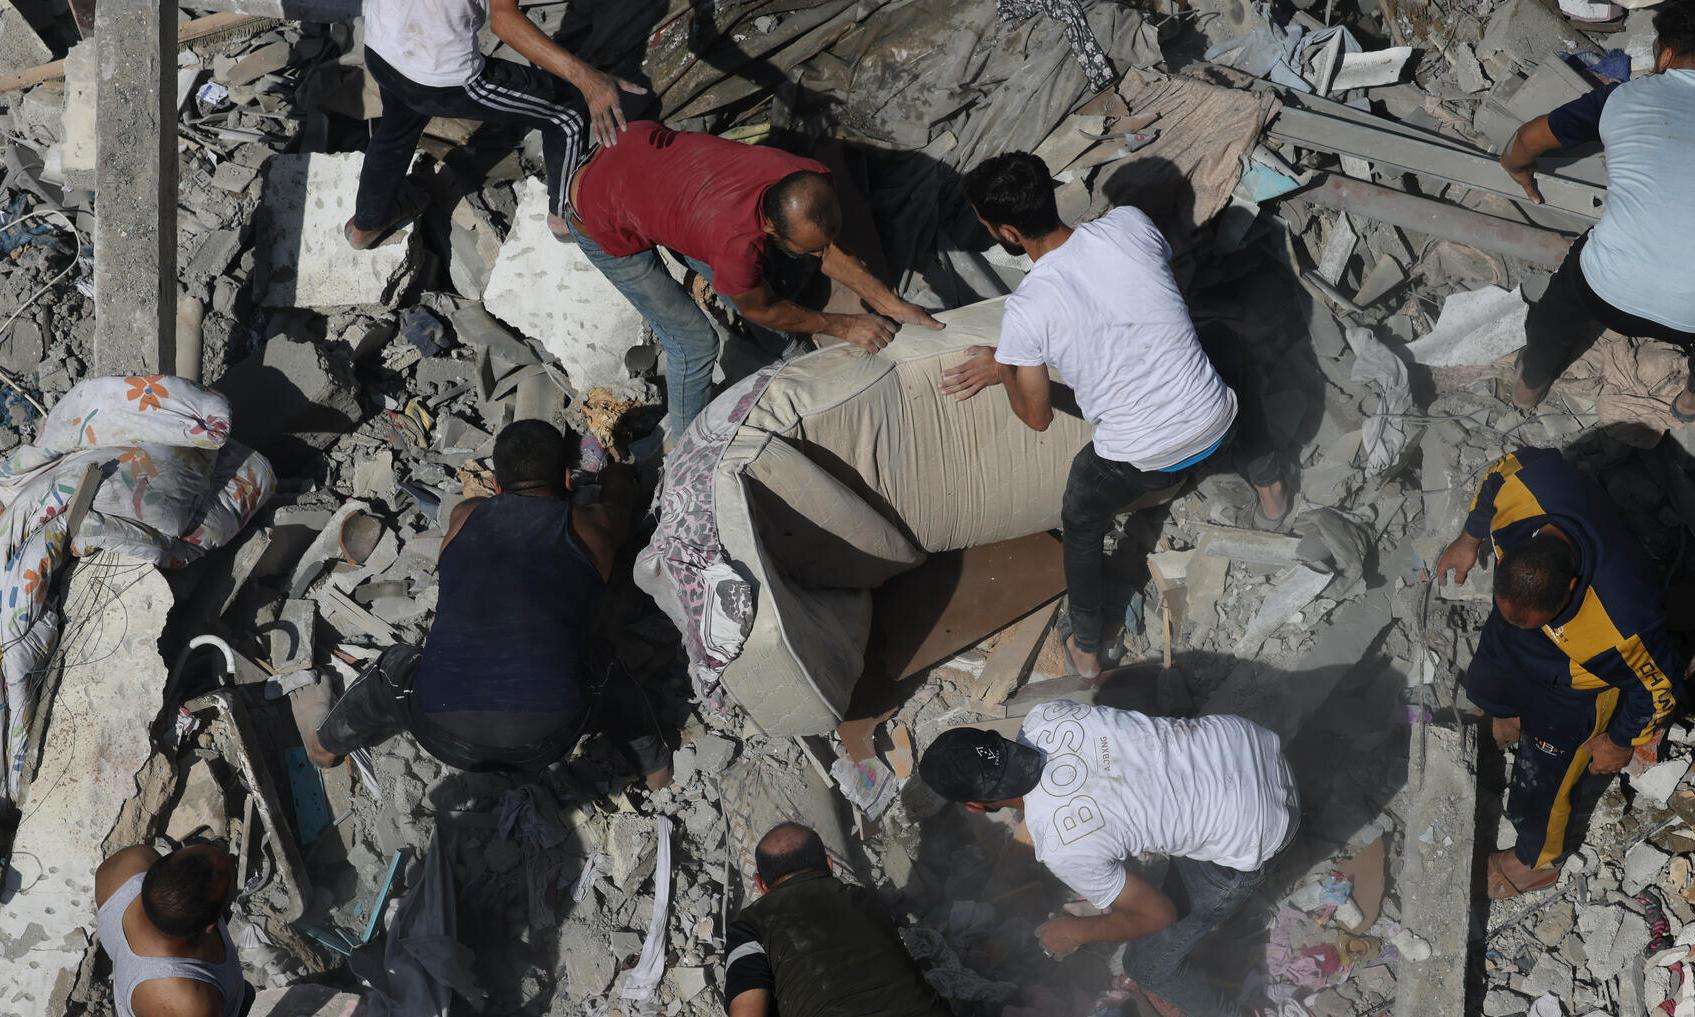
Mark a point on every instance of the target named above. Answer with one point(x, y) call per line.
point(1278, 53)
point(1632, 383)
point(1384, 435)
point(1069, 13)
point(418, 963)
point(173, 487)
point(684, 567)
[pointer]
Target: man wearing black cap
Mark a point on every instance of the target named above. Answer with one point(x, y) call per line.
point(1099, 787)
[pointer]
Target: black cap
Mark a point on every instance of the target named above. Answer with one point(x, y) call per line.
point(970, 765)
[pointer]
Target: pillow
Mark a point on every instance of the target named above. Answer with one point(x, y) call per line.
point(820, 533)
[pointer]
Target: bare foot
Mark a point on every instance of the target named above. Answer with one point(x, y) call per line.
point(358, 239)
point(1273, 500)
point(659, 779)
point(321, 757)
point(1525, 397)
point(1088, 664)
point(1684, 405)
point(1509, 877)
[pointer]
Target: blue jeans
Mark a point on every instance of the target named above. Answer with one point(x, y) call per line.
point(1161, 963)
point(683, 329)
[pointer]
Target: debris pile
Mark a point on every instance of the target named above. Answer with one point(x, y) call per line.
point(1356, 261)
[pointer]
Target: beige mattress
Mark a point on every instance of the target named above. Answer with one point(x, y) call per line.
point(850, 469)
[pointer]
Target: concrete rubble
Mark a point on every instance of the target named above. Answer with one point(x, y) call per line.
point(1363, 286)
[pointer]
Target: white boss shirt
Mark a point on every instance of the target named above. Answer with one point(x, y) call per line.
point(1103, 309)
point(1117, 783)
point(432, 42)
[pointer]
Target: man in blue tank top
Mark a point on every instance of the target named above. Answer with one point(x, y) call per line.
point(511, 675)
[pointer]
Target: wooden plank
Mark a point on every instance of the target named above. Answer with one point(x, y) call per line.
point(1012, 657)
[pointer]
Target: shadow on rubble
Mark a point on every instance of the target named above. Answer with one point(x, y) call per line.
point(1346, 735)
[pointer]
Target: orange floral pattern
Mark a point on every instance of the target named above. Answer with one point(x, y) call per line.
point(145, 390)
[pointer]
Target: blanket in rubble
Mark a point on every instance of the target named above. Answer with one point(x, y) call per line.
point(684, 567)
point(172, 486)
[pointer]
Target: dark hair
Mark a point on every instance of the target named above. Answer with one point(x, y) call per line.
point(1537, 574)
point(802, 196)
point(786, 849)
point(1014, 190)
point(1674, 24)
point(528, 453)
point(177, 894)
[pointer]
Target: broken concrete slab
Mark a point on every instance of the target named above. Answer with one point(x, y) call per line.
point(79, 154)
point(1291, 592)
point(1660, 780)
point(98, 741)
point(551, 293)
point(21, 48)
point(291, 392)
point(1369, 70)
point(1642, 864)
point(307, 200)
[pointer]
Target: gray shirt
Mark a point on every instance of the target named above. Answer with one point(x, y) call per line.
point(1640, 258)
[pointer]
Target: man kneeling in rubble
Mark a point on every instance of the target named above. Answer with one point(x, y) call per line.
point(1098, 787)
point(161, 920)
point(511, 676)
point(814, 946)
point(1575, 664)
point(1102, 308)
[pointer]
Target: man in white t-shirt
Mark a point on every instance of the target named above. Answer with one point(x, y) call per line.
point(1102, 309)
point(1099, 787)
point(424, 57)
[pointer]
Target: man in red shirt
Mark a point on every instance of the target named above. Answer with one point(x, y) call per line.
point(718, 204)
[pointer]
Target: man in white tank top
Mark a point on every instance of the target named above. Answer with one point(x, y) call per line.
point(161, 920)
point(424, 57)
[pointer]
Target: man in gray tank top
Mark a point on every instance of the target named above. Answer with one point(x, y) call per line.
point(161, 920)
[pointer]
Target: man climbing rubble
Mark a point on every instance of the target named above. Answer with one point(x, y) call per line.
point(511, 674)
point(1575, 665)
point(424, 58)
point(1098, 787)
point(1631, 273)
point(161, 921)
point(1101, 308)
point(720, 205)
point(813, 946)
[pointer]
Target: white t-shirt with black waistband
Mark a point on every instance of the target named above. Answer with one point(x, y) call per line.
point(432, 42)
point(1117, 783)
point(1104, 310)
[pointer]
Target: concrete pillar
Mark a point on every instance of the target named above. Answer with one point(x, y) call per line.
point(135, 232)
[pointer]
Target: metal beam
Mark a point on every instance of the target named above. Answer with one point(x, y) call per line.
point(135, 231)
point(1397, 148)
point(1437, 219)
point(291, 10)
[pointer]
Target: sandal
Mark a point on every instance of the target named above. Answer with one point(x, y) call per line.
point(1501, 886)
point(1062, 625)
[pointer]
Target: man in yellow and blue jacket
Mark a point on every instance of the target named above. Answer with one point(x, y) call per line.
point(1575, 663)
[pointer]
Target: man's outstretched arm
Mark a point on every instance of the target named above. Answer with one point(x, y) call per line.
point(1141, 909)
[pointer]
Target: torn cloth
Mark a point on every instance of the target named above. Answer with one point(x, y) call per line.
point(418, 963)
point(1384, 435)
point(1069, 13)
point(1632, 383)
point(1185, 176)
point(172, 487)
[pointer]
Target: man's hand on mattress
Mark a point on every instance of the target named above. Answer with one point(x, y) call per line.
point(869, 332)
point(979, 371)
point(911, 314)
